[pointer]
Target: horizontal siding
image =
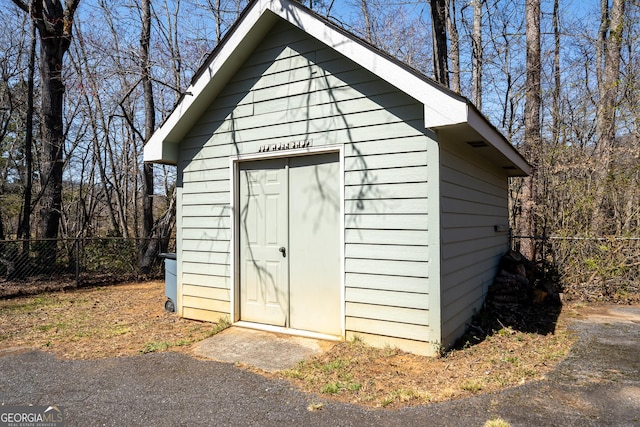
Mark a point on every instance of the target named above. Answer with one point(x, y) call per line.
point(202, 245)
point(194, 199)
point(206, 257)
point(205, 235)
point(370, 191)
point(426, 346)
point(206, 269)
point(469, 247)
point(204, 315)
point(292, 88)
point(388, 206)
point(456, 235)
point(478, 270)
point(250, 128)
point(387, 298)
point(387, 221)
point(390, 329)
point(207, 210)
point(207, 292)
point(199, 279)
point(473, 201)
point(206, 222)
point(388, 252)
point(387, 268)
point(205, 303)
point(419, 285)
point(355, 162)
point(387, 176)
point(386, 237)
point(387, 313)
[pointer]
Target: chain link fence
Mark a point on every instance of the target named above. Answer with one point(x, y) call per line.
point(38, 265)
point(589, 269)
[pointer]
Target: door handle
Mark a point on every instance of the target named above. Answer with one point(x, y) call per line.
point(283, 251)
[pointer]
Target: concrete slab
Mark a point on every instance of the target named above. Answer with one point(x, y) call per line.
point(265, 350)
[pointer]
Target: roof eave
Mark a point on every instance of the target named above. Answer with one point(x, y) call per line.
point(442, 107)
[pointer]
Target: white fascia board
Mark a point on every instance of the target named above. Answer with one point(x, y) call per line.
point(451, 110)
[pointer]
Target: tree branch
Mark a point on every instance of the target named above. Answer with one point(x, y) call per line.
point(69, 12)
point(22, 5)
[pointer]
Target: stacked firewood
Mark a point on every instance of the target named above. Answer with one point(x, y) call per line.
point(515, 282)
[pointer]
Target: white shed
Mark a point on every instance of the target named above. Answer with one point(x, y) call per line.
point(326, 189)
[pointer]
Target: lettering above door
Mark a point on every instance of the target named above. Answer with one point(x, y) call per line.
point(304, 143)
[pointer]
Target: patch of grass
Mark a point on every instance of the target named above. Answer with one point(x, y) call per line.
point(26, 304)
point(331, 388)
point(386, 401)
point(159, 346)
point(333, 365)
point(511, 359)
point(497, 422)
point(155, 346)
point(404, 396)
point(337, 387)
point(473, 386)
point(222, 324)
point(118, 330)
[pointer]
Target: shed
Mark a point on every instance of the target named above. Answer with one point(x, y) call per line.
point(326, 189)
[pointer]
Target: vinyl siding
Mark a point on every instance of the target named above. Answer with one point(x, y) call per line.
point(294, 88)
point(473, 201)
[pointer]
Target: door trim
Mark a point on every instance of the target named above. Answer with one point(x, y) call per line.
point(234, 250)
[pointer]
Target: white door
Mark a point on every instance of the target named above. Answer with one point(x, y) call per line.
point(264, 275)
point(290, 242)
point(314, 242)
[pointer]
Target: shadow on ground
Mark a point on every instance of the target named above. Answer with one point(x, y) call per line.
point(534, 318)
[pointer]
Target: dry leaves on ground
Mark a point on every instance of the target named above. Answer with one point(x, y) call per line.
point(129, 319)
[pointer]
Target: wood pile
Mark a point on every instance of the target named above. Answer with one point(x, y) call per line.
point(515, 283)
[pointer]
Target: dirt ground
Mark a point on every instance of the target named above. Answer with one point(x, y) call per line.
point(129, 319)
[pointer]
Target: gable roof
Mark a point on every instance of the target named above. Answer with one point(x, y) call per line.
point(444, 110)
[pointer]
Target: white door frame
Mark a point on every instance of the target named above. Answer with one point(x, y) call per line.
point(234, 282)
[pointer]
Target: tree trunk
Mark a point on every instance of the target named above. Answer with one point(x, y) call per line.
point(532, 134)
point(24, 228)
point(476, 42)
point(54, 24)
point(454, 50)
point(606, 115)
point(367, 21)
point(439, 32)
point(147, 256)
point(555, 131)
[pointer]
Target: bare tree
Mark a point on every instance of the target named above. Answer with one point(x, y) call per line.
point(146, 258)
point(454, 49)
point(476, 43)
point(368, 24)
point(24, 228)
point(532, 131)
point(555, 110)
point(608, 68)
point(54, 23)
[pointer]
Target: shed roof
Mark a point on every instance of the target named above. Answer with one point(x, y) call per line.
point(444, 110)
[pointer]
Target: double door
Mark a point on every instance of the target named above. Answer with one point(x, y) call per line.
point(289, 223)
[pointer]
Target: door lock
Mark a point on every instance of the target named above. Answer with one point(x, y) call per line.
point(283, 251)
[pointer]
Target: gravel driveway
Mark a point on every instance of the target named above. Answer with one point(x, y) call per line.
point(598, 384)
